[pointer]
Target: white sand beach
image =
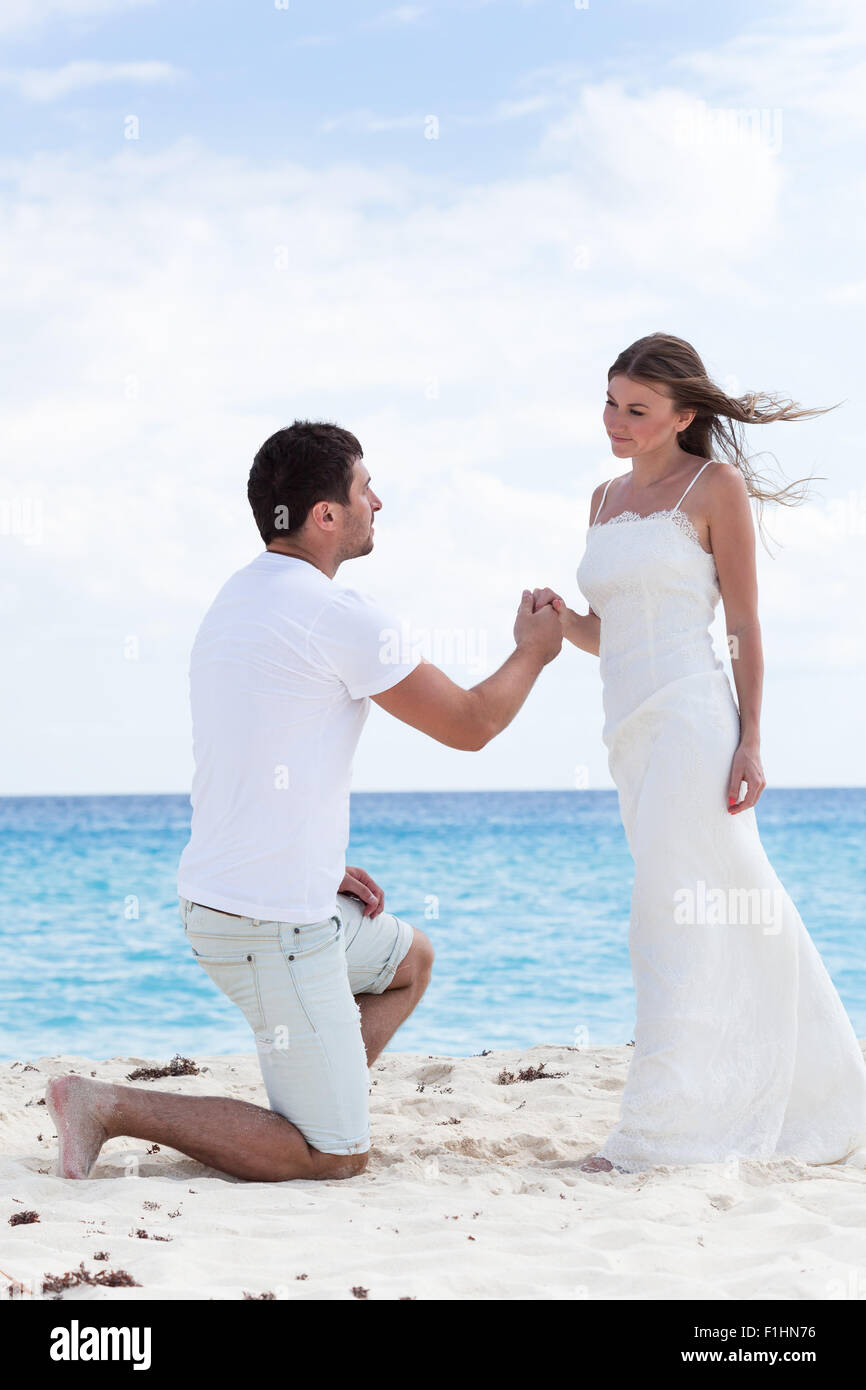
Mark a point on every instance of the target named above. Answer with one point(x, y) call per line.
point(473, 1191)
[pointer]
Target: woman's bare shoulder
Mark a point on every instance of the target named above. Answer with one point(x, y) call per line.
point(724, 483)
point(717, 469)
point(608, 482)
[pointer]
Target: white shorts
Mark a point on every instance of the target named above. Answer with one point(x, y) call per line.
point(295, 985)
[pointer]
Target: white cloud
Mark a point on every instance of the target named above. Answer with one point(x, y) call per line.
point(853, 293)
point(524, 106)
point(366, 121)
point(398, 17)
point(50, 84)
point(807, 58)
point(314, 40)
point(18, 17)
point(170, 309)
point(656, 182)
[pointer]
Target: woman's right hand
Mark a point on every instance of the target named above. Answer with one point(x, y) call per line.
point(581, 629)
point(542, 596)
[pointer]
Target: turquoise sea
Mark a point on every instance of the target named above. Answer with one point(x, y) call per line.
point(525, 895)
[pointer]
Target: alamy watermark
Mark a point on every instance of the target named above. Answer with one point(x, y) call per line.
point(704, 906)
point(23, 517)
point(444, 646)
point(759, 127)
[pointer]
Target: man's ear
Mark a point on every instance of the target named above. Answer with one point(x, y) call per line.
point(323, 515)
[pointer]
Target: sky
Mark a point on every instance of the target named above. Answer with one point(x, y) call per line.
point(437, 225)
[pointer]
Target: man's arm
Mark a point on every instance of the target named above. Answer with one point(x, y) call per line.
point(468, 719)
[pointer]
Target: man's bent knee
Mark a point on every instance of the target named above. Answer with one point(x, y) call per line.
point(421, 955)
point(416, 966)
point(338, 1165)
point(424, 966)
point(426, 955)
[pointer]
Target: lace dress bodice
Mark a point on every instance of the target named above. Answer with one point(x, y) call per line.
point(655, 590)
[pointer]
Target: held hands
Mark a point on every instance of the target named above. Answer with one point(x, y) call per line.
point(746, 767)
point(358, 884)
point(582, 629)
point(538, 628)
point(540, 597)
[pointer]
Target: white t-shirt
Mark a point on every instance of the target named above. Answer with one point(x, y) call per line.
point(281, 672)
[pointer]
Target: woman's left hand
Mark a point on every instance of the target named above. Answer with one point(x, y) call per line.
point(747, 768)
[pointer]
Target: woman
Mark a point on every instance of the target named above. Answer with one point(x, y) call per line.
point(742, 1046)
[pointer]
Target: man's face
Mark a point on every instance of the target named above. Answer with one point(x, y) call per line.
point(357, 530)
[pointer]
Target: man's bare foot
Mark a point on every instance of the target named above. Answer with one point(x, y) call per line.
point(596, 1164)
point(74, 1104)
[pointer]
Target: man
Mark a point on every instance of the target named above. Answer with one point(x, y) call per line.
point(282, 672)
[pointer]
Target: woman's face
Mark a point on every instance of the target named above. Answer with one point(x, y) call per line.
point(640, 418)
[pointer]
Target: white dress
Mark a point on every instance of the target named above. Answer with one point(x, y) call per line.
point(742, 1046)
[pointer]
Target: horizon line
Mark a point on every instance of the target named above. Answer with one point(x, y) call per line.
point(429, 791)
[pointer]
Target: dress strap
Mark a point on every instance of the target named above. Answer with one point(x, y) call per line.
point(601, 503)
point(692, 483)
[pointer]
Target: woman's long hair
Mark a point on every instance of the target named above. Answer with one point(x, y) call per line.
point(717, 428)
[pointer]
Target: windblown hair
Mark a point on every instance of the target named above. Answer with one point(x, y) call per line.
point(297, 467)
point(717, 428)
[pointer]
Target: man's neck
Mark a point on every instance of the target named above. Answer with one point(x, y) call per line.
point(318, 562)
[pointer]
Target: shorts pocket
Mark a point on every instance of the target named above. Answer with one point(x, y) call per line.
point(320, 983)
point(238, 978)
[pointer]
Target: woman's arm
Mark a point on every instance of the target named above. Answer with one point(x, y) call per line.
point(732, 536)
point(581, 629)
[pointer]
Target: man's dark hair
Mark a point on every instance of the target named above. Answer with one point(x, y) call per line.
point(297, 467)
